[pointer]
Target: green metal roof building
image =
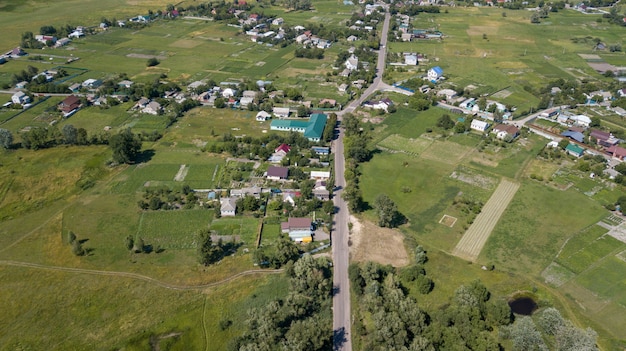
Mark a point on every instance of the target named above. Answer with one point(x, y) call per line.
point(312, 129)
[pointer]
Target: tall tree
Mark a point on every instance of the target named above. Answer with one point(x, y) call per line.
point(6, 138)
point(70, 134)
point(386, 210)
point(125, 146)
point(207, 252)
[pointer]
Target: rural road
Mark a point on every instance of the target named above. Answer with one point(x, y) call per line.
point(342, 338)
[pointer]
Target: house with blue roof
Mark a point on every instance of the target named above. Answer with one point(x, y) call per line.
point(578, 136)
point(313, 129)
point(435, 73)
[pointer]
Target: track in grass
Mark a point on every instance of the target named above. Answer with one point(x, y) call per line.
point(476, 236)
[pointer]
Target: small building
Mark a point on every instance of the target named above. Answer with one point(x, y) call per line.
point(321, 194)
point(447, 93)
point(75, 88)
point(312, 130)
point(228, 207)
point(435, 74)
point(343, 88)
point(62, 42)
point(505, 131)
point(581, 120)
point(20, 98)
point(617, 152)
point(281, 112)
point(352, 63)
point(352, 38)
point(298, 229)
point(254, 191)
point(410, 59)
point(320, 175)
point(575, 150)
point(92, 83)
point(282, 149)
point(69, 105)
point(321, 150)
point(577, 136)
point(153, 108)
point(479, 125)
point(277, 21)
point(263, 116)
point(125, 83)
point(277, 173)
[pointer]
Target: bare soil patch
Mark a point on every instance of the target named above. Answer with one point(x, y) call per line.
point(381, 245)
point(185, 43)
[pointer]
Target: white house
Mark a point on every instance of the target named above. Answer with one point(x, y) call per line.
point(281, 112)
point(263, 116)
point(479, 125)
point(228, 206)
point(20, 98)
point(447, 93)
point(320, 175)
point(435, 73)
point(245, 101)
point(352, 63)
point(352, 38)
point(278, 21)
point(92, 83)
point(228, 93)
point(410, 59)
point(581, 120)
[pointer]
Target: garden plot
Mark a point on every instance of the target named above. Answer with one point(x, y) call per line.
point(409, 146)
point(474, 239)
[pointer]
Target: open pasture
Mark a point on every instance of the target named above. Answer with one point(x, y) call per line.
point(244, 227)
point(446, 152)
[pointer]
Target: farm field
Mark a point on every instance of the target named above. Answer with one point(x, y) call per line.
point(477, 235)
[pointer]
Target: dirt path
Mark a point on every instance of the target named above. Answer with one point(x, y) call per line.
point(476, 236)
point(137, 276)
point(182, 173)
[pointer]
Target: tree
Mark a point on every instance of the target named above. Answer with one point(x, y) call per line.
point(563, 143)
point(207, 252)
point(386, 210)
point(70, 134)
point(77, 248)
point(525, 336)
point(152, 62)
point(130, 242)
point(71, 237)
point(125, 146)
point(139, 246)
point(6, 138)
point(445, 122)
point(420, 255)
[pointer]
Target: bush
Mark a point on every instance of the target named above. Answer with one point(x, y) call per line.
point(152, 62)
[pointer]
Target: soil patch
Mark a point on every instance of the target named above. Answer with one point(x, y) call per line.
point(381, 245)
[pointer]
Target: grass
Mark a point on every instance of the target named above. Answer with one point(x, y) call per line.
point(536, 224)
point(173, 230)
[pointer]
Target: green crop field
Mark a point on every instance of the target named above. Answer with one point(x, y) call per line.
point(173, 230)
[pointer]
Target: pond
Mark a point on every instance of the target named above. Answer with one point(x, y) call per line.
point(523, 305)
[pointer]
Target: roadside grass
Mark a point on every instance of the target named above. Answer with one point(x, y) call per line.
point(535, 226)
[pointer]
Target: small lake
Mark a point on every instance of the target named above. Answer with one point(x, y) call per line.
point(523, 305)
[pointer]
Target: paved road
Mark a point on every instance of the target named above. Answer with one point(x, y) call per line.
point(341, 254)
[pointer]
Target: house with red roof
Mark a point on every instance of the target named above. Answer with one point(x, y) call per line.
point(299, 229)
point(69, 105)
point(617, 152)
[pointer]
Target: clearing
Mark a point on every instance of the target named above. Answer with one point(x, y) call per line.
point(373, 243)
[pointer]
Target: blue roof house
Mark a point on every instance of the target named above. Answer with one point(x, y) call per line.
point(435, 73)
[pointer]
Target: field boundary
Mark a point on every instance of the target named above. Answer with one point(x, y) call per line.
point(476, 236)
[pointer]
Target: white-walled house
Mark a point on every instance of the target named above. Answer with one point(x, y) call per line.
point(435, 73)
point(479, 125)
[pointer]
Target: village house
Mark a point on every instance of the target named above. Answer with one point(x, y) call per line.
point(410, 59)
point(228, 207)
point(617, 152)
point(435, 74)
point(312, 129)
point(62, 42)
point(298, 229)
point(448, 94)
point(320, 175)
point(604, 139)
point(153, 108)
point(352, 63)
point(382, 104)
point(505, 131)
point(20, 98)
point(263, 116)
point(92, 83)
point(69, 105)
point(277, 173)
point(575, 150)
point(281, 112)
point(479, 125)
point(254, 191)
